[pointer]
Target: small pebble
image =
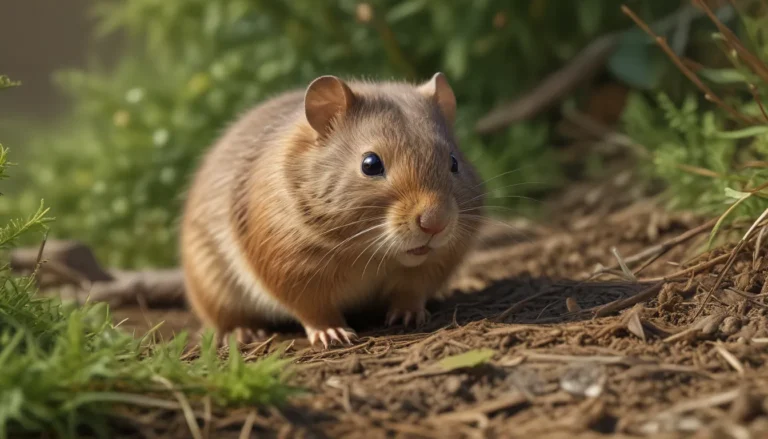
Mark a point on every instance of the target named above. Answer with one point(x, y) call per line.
point(730, 325)
point(710, 324)
point(584, 380)
point(453, 384)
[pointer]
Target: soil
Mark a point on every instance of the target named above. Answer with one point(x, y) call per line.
point(623, 354)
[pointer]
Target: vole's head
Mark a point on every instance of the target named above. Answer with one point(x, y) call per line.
point(379, 171)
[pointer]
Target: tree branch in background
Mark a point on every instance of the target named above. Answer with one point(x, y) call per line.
point(582, 67)
point(72, 264)
point(554, 87)
point(153, 288)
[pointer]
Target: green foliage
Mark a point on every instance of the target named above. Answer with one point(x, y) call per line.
point(6, 82)
point(115, 173)
point(16, 228)
point(64, 369)
point(711, 160)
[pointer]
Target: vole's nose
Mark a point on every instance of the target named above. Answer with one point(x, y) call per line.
point(432, 221)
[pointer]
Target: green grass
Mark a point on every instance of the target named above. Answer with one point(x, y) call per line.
point(64, 369)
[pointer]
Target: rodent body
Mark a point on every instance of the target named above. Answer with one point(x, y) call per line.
point(319, 200)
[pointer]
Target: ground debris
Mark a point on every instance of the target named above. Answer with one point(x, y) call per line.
point(587, 380)
point(548, 346)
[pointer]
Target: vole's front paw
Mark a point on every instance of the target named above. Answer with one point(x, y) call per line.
point(243, 336)
point(329, 336)
point(419, 317)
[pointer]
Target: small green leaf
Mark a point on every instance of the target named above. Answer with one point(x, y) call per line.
point(6, 82)
point(467, 359)
point(743, 133)
point(735, 194)
point(723, 76)
point(636, 62)
point(405, 10)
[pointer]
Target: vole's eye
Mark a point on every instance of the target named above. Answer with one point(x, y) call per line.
point(454, 164)
point(372, 165)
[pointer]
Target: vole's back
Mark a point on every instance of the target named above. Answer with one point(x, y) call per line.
point(217, 274)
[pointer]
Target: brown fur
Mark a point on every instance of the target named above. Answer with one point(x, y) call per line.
point(290, 203)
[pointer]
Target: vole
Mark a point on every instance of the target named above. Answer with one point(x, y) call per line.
point(318, 200)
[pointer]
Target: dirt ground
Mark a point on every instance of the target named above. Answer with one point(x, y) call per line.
point(622, 354)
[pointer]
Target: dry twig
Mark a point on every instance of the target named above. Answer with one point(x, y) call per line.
point(708, 93)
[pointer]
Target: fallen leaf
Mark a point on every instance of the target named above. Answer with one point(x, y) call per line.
point(467, 359)
point(572, 305)
point(634, 324)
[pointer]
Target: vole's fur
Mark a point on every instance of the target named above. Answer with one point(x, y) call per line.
point(281, 223)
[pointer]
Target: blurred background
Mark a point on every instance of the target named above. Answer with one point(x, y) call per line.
point(119, 98)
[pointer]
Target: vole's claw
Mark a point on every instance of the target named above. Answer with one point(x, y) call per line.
point(419, 317)
point(323, 338)
point(334, 336)
point(243, 336)
point(330, 335)
point(348, 335)
point(423, 317)
point(392, 317)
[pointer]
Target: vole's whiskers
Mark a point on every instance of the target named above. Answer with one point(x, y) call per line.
point(379, 238)
point(384, 242)
point(498, 189)
point(502, 174)
point(347, 209)
point(336, 247)
point(514, 231)
point(522, 197)
point(352, 223)
point(480, 208)
point(383, 258)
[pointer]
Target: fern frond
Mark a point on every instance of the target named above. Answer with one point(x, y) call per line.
point(16, 227)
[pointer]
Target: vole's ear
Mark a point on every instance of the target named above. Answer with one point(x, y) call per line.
point(437, 88)
point(326, 98)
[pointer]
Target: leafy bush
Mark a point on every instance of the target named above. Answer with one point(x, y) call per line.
point(64, 369)
point(115, 173)
point(711, 155)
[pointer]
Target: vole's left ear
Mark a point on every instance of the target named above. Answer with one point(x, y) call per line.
point(326, 99)
point(437, 88)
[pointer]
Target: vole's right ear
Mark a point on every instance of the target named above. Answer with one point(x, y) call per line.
point(327, 98)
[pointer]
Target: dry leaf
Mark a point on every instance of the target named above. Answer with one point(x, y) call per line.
point(633, 323)
point(572, 305)
point(708, 325)
point(635, 326)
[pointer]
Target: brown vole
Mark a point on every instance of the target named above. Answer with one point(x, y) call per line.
point(317, 201)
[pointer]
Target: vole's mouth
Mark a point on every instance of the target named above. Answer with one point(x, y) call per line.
point(419, 251)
